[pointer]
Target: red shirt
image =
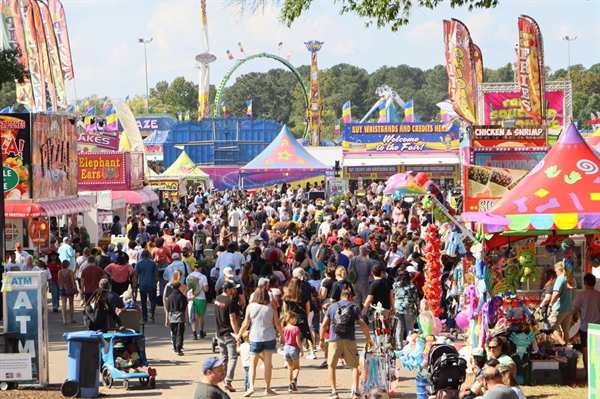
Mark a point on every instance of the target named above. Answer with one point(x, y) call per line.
point(54, 268)
point(91, 277)
point(419, 281)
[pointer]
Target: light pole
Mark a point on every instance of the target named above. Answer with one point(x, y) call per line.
point(145, 42)
point(569, 39)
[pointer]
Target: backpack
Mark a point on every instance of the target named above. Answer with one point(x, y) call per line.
point(343, 320)
point(193, 284)
point(105, 260)
point(352, 273)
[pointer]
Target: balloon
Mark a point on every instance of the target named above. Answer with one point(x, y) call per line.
point(437, 326)
point(462, 321)
point(421, 178)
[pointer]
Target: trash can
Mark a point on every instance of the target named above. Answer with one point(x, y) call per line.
point(84, 349)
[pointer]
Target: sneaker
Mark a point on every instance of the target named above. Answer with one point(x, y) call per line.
point(195, 336)
point(291, 388)
point(145, 320)
point(152, 318)
point(249, 393)
point(311, 356)
point(180, 353)
point(228, 386)
point(294, 385)
point(324, 364)
point(341, 362)
point(355, 395)
point(334, 395)
point(202, 334)
point(270, 392)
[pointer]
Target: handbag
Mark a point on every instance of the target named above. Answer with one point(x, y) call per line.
point(352, 277)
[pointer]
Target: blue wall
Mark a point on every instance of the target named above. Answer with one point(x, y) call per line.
point(220, 141)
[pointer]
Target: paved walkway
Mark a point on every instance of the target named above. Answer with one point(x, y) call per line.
point(178, 376)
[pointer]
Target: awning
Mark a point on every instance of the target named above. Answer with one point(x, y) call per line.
point(136, 197)
point(30, 210)
point(437, 159)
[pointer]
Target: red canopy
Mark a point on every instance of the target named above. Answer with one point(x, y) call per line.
point(561, 194)
point(30, 210)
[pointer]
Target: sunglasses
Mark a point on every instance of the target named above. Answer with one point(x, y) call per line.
point(492, 347)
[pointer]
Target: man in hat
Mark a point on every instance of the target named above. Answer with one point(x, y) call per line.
point(479, 359)
point(226, 316)
point(66, 252)
point(21, 256)
point(213, 373)
point(177, 264)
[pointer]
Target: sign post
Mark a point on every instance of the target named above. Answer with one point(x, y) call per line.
point(24, 295)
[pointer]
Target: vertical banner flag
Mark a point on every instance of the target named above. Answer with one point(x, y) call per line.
point(409, 111)
point(90, 120)
point(34, 57)
point(249, 107)
point(145, 101)
point(112, 122)
point(290, 54)
point(180, 115)
point(279, 46)
point(43, 52)
point(59, 20)
point(13, 36)
point(229, 55)
point(241, 48)
point(105, 102)
point(462, 79)
point(127, 99)
point(530, 70)
point(187, 116)
point(336, 127)
point(382, 113)
point(478, 61)
point(77, 107)
point(53, 55)
point(224, 108)
point(347, 112)
point(86, 105)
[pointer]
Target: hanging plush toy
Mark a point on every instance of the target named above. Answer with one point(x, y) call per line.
point(511, 276)
point(522, 342)
point(567, 247)
point(592, 252)
point(528, 260)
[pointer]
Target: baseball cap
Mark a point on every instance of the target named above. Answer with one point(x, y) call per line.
point(228, 271)
point(258, 238)
point(358, 241)
point(175, 255)
point(66, 239)
point(337, 247)
point(411, 269)
point(43, 259)
point(263, 282)
point(111, 247)
point(477, 352)
point(228, 284)
point(299, 273)
point(211, 363)
point(364, 248)
point(19, 245)
point(318, 240)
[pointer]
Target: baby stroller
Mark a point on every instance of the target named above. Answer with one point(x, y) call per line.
point(447, 371)
point(111, 372)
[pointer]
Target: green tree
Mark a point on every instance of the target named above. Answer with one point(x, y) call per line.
point(392, 13)
point(502, 74)
point(10, 67)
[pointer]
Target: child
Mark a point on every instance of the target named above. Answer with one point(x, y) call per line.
point(292, 349)
point(244, 352)
point(129, 303)
point(326, 338)
point(125, 363)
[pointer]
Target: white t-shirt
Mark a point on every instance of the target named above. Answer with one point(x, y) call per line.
point(82, 262)
point(202, 282)
point(22, 259)
point(222, 261)
point(234, 219)
point(589, 303)
point(245, 354)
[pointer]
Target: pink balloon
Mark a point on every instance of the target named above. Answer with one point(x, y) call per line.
point(437, 326)
point(462, 320)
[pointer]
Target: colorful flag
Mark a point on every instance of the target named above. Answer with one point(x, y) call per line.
point(249, 107)
point(530, 70)
point(478, 61)
point(105, 102)
point(444, 116)
point(241, 47)
point(336, 127)
point(229, 55)
point(224, 108)
point(71, 109)
point(86, 105)
point(59, 20)
point(290, 54)
point(279, 46)
point(409, 112)
point(49, 58)
point(347, 112)
point(462, 79)
point(187, 116)
point(77, 107)
point(179, 115)
point(10, 21)
point(90, 120)
point(36, 66)
point(146, 102)
point(112, 121)
point(382, 113)
point(127, 100)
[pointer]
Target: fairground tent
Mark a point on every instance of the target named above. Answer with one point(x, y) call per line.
point(184, 168)
point(560, 195)
point(284, 154)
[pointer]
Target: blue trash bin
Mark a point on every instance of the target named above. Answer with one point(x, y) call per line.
point(84, 349)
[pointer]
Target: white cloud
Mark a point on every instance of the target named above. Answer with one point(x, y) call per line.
point(426, 33)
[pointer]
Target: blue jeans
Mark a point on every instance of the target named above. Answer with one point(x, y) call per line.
point(246, 378)
point(55, 297)
point(148, 294)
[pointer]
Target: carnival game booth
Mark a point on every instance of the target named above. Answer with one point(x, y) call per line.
point(39, 154)
point(557, 200)
point(377, 151)
point(182, 173)
point(283, 161)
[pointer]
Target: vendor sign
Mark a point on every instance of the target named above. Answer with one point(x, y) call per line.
point(399, 138)
point(87, 142)
point(170, 187)
point(110, 171)
point(15, 138)
point(498, 136)
point(54, 158)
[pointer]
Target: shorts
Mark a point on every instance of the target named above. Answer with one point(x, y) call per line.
point(256, 348)
point(583, 336)
point(63, 293)
point(291, 353)
point(346, 348)
point(559, 318)
point(233, 229)
point(200, 306)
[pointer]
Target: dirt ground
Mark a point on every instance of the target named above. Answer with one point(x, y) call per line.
point(178, 376)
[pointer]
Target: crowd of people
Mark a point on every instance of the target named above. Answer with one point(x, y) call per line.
point(288, 272)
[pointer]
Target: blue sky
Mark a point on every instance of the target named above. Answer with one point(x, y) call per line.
point(109, 61)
